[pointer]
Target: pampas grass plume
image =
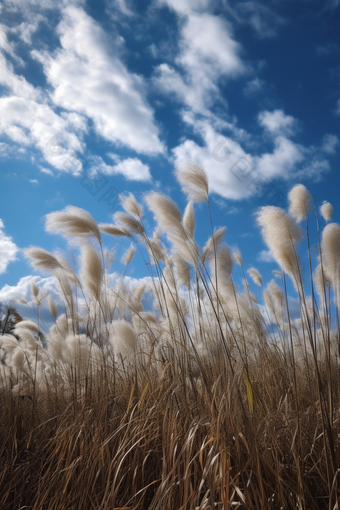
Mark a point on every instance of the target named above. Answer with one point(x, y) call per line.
point(326, 211)
point(237, 256)
point(131, 206)
point(255, 276)
point(114, 230)
point(122, 337)
point(73, 222)
point(129, 222)
point(280, 234)
point(52, 307)
point(299, 202)
point(128, 255)
point(331, 254)
point(34, 290)
point(189, 218)
point(42, 259)
point(194, 182)
point(91, 270)
point(166, 213)
point(214, 240)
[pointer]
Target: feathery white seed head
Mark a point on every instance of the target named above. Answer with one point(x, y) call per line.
point(91, 270)
point(326, 211)
point(20, 300)
point(299, 202)
point(189, 218)
point(194, 182)
point(237, 256)
point(128, 255)
point(122, 337)
point(34, 290)
point(52, 307)
point(182, 271)
point(280, 234)
point(109, 258)
point(114, 230)
point(42, 259)
point(224, 263)
point(166, 213)
point(255, 275)
point(215, 239)
point(27, 324)
point(129, 222)
point(331, 255)
point(131, 206)
point(73, 222)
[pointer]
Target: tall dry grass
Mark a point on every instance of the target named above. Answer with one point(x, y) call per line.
point(202, 398)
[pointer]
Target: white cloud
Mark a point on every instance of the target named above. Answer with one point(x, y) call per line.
point(253, 86)
point(46, 171)
point(277, 122)
point(23, 287)
point(27, 119)
point(8, 249)
point(27, 28)
point(131, 168)
point(332, 4)
point(4, 147)
point(34, 181)
point(338, 107)
point(29, 123)
point(264, 21)
point(329, 144)
point(185, 6)
point(324, 50)
point(265, 256)
point(124, 8)
point(282, 161)
point(231, 177)
point(89, 78)
point(207, 52)
point(221, 180)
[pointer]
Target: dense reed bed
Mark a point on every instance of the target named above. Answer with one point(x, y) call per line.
point(181, 391)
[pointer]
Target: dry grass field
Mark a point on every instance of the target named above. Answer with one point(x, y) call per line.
point(180, 392)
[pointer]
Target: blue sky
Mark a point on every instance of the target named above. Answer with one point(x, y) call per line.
point(129, 90)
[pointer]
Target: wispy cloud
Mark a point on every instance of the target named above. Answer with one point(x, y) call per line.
point(207, 52)
point(131, 168)
point(265, 256)
point(8, 249)
point(88, 77)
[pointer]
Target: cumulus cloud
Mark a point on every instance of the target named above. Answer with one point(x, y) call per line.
point(265, 256)
point(329, 144)
point(263, 20)
point(338, 108)
point(8, 249)
point(131, 168)
point(89, 78)
point(23, 288)
point(254, 86)
point(185, 6)
point(26, 29)
point(30, 123)
point(277, 122)
point(283, 160)
point(235, 173)
point(222, 180)
point(27, 119)
point(207, 53)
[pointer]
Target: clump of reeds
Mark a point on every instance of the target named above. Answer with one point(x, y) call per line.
point(184, 391)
